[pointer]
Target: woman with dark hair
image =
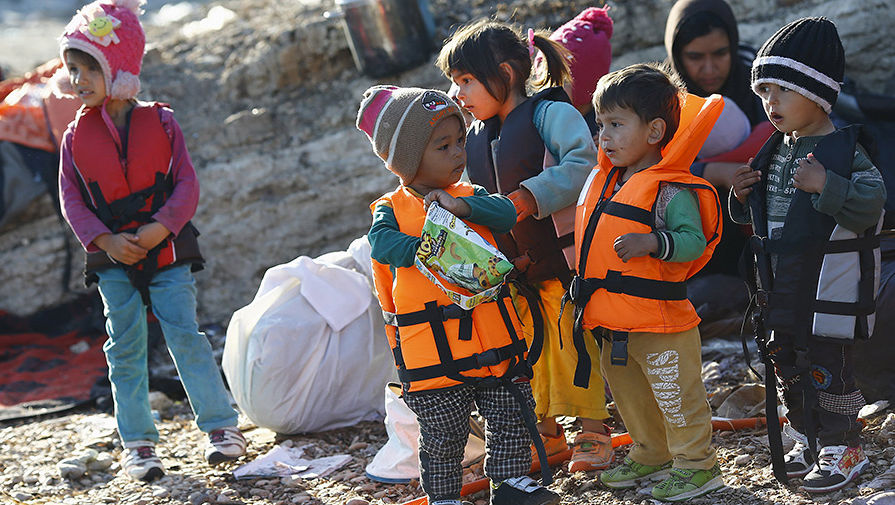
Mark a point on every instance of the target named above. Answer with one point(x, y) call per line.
point(702, 42)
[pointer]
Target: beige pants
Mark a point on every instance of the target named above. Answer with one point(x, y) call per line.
point(662, 400)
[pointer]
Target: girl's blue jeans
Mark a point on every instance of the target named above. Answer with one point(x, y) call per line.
point(173, 295)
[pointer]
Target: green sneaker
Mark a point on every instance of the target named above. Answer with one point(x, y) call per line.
point(684, 484)
point(629, 473)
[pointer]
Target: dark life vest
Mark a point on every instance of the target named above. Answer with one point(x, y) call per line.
point(520, 156)
point(808, 292)
point(125, 185)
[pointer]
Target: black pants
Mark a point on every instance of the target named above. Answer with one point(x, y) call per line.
point(443, 417)
point(832, 376)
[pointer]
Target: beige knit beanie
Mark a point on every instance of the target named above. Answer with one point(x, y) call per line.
point(399, 122)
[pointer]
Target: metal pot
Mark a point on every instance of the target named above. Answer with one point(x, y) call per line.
point(386, 36)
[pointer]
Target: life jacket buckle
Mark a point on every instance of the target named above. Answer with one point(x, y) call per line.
point(758, 244)
point(575, 288)
point(619, 352)
point(453, 311)
point(761, 298)
point(487, 358)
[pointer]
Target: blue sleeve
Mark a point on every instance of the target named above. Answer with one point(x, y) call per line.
point(387, 243)
point(568, 140)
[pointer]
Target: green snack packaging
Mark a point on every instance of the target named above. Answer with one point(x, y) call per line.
point(467, 268)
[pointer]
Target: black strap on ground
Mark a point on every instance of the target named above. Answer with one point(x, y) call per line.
point(809, 393)
point(528, 417)
point(775, 437)
point(755, 268)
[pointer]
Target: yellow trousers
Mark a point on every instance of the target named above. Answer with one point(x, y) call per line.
point(554, 393)
point(662, 400)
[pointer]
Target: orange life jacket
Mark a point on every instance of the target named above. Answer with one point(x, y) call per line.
point(125, 181)
point(644, 294)
point(436, 344)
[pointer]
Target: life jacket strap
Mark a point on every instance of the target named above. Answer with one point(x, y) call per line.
point(444, 312)
point(491, 357)
point(629, 212)
point(581, 289)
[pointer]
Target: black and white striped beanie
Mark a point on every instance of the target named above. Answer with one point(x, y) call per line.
point(805, 56)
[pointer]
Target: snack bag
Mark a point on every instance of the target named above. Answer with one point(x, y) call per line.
point(467, 268)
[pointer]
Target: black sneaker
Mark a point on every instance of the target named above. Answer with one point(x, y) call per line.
point(522, 491)
point(837, 466)
point(798, 460)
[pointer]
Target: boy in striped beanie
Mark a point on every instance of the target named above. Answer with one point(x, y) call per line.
point(812, 193)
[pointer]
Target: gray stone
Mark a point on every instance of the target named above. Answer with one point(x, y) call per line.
point(199, 498)
point(160, 492)
point(261, 493)
point(101, 463)
point(159, 401)
point(71, 469)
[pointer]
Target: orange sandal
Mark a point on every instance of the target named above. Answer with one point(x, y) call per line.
point(554, 444)
point(592, 451)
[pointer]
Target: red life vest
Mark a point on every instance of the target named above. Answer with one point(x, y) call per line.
point(125, 181)
point(437, 344)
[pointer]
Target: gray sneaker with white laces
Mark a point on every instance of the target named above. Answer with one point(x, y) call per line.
point(140, 462)
point(225, 444)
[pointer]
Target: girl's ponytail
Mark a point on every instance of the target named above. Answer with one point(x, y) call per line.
point(481, 47)
point(556, 58)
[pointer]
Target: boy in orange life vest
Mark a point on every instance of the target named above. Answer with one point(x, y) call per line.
point(448, 359)
point(128, 190)
point(644, 225)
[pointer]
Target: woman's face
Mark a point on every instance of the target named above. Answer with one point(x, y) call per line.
point(706, 60)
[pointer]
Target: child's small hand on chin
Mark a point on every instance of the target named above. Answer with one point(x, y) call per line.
point(810, 175)
point(635, 245)
point(453, 205)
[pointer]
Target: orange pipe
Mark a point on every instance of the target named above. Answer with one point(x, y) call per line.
point(618, 440)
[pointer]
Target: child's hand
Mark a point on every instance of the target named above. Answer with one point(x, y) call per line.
point(453, 205)
point(525, 203)
point(122, 247)
point(743, 179)
point(810, 175)
point(151, 234)
point(634, 245)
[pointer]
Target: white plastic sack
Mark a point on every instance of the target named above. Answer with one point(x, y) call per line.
point(397, 462)
point(309, 353)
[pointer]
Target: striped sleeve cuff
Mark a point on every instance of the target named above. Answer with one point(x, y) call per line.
point(666, 245)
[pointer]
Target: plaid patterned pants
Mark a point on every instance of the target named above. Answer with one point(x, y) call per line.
point(444, 428)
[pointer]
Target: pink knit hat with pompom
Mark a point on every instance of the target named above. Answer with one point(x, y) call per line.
point(110, 32)
point(586, 36)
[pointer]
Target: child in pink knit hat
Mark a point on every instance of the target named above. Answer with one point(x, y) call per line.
point(586, 36)
point(128, 190)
